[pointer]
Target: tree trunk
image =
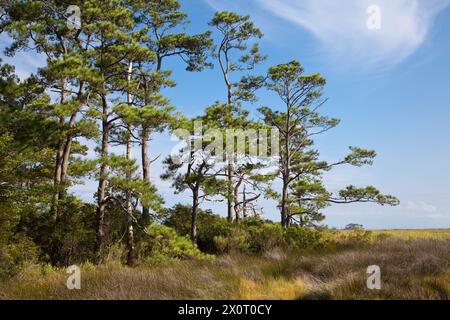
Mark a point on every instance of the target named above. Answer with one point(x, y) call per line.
point(131, 257)
point(65, 167)
point(244, 203)
point(284, 205)
point(145, 164)
point(57, 181)
point(101, 192)
point(230, 165)
point(230, 192)
point(237, 206)
point(59, 160)
point(286, 172)
point(68, 145)
point(194, 216)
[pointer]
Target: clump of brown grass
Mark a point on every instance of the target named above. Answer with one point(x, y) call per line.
point(407, 270)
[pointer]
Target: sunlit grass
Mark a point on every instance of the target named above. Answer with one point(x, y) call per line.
point(414, 265)
point(417, 234)
point(272, 289)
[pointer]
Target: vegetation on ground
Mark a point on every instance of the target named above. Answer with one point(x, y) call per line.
point(416, 269)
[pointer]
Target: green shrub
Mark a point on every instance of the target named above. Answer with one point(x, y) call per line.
point(259, 238)
point(15, 255)
point(209, 226)
point(253, 235)
point(265, 237)
point(304, 238)
point(164, 243)
point(236, 241)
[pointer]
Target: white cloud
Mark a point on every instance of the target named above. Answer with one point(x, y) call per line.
point(421, 206)
point(341, 26)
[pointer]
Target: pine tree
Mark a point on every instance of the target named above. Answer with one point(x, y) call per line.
point(194, 168)
point(27, 142)
point(237, 33)
point(115, 44)
point(161, 20)
point(42, 26)
point(303, 194)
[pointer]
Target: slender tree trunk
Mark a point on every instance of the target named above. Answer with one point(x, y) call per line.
point(66, 158)
point(195, 204)
point(284, 205)
point(230, 192)
point(68, 146)
point(101, 192)
point(59, 159)
point(57, 180)
point(230, 172)
point(237, 206)
point(244, 203)
point(286, 172)
point(145, 164)
point(131, 257)
point(145, 153)
point(65, 167)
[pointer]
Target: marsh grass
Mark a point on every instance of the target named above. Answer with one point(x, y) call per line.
point(413, 234)
point(412, 268)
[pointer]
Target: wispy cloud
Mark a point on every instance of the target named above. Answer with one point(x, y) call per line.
point(341, 26)
point(421, 206)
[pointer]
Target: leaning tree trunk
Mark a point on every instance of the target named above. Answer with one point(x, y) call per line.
point(66, 157)
point(68, 146)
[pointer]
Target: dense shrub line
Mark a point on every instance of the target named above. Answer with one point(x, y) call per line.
point(169, 239)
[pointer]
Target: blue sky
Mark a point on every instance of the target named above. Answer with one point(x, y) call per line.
point(390, 87)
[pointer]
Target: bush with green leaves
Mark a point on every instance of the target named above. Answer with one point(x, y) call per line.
point(209, 226)
point(16, 254)
point(305, 238)
point(163, 243)
point(258, 237)
point(236, 241)
point(265, 237)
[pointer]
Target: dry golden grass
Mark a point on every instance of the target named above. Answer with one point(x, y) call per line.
point(416, 268)
point(272, 289)
point(416, 234)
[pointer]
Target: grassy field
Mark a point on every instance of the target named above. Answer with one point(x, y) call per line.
point(417, 234)
point(414, 265)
